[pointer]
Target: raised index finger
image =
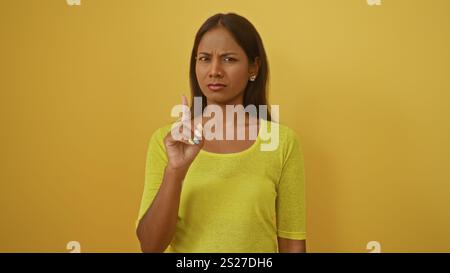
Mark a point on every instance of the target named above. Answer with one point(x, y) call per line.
point(185, 114)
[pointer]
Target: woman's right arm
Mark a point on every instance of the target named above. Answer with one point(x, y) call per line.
point(157, 226)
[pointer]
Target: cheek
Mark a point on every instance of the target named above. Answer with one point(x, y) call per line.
point(199, 72)
point(202, 79)
point(238, 77)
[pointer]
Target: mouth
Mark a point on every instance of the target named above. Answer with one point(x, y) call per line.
point(216, 86)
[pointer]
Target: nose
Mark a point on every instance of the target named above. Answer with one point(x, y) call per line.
point(216, 68)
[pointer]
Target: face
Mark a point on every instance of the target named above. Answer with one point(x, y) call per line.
point(222, 68)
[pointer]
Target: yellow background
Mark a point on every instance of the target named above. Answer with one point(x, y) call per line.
point(366, 87)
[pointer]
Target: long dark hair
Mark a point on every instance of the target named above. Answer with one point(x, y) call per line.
point(249, 40)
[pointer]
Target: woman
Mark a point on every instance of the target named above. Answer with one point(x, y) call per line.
point(215, 195)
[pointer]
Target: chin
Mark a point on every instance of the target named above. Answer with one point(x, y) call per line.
point(222, 97)
point(217, 97)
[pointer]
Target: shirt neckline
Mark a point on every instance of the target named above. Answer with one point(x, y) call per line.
point(249, 149)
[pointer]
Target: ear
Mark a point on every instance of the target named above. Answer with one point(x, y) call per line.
point(253, 68)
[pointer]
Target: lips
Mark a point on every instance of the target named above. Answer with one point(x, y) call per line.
point(216, 86)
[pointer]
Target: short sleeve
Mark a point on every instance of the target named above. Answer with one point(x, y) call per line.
point(155, 164)
point(290, 204)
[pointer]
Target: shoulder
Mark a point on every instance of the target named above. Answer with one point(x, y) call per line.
point(286, 136)
point(284, 131)
point(161, 132)
point(156, 141)
point(287, 133)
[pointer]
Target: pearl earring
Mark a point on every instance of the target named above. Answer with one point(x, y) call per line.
point(253, 78)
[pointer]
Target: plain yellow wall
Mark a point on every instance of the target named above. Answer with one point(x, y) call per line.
point(366, 87)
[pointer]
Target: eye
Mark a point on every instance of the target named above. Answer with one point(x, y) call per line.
point(229, 59)
point(202, 59)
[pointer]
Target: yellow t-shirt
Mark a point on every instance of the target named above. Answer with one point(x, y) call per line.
point(236, 202)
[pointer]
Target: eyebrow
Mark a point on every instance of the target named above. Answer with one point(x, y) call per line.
point(221, 55)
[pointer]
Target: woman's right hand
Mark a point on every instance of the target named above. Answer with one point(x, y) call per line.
point(182, 152)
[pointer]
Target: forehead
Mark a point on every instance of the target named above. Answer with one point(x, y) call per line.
point(218, 39)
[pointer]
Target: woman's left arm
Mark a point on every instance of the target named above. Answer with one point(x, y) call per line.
point(291, 246)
